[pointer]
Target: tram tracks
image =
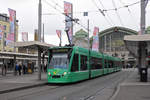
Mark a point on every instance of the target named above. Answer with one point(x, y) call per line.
point(112, 82)
point(86, 90)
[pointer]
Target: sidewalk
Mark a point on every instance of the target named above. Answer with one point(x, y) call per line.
point(12, 83)
point(133, 89)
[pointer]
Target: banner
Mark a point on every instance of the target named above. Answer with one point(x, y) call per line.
point(68, 20)
point(95, 45)
point(58, 33)
point(24, 36)
point(12, 19)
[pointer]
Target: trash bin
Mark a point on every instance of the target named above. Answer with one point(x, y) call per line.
point(143, 74)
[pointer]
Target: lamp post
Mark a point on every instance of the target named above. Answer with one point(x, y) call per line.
point(143, 45)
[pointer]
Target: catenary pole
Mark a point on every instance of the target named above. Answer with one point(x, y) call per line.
point(39, 37)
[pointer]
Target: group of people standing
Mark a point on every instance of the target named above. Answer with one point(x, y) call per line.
point(21, 68)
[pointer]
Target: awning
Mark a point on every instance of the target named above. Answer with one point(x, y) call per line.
point(132, 43)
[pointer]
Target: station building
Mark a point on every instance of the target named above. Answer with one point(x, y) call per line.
point(110, 42)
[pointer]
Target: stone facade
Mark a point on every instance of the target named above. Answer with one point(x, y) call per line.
point(81, 39)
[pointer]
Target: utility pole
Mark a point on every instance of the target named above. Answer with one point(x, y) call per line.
point(88, 35)
point(143, 6)
point(43, 33)
point(60, 40)
point(39, 37)
point(39, 20)
point(142, 44)
point(14, 44)
point(110, 44)
point(3, 40)
point(15, 33)
point(105, 42)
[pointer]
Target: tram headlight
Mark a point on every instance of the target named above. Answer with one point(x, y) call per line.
point(64, 73)
point(49, 73)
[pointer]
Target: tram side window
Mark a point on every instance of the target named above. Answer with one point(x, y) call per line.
point(83, 63)
point(96, 63)
point(117, 63)
point(110, 64)
point(105, 64)
point(75, 63)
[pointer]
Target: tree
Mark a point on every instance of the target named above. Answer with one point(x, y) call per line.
point(148, 30)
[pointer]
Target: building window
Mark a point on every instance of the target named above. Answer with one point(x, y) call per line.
point(1, 18)
point(4, 43)
point(5, 27)
point(5, 35)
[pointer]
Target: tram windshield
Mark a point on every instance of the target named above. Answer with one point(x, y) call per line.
point(59, 61)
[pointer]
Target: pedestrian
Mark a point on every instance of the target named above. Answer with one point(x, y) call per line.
point(16, 69)
point(32, 67)
point(4, 69)
point(24, 69)
point(19, 69)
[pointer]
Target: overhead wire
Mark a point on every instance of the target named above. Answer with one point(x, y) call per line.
point(130, 13)
point(128, 5)
point(124, 5)
point(56, 4)
point(101, 12)
point(113, 2)
point(93, 11)
point(64, 14)
point(106, 12)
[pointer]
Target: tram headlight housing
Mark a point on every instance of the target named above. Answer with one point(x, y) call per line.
point(64, 73)
point(49, 73)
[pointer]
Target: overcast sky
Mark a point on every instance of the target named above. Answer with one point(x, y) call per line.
point(27, 11)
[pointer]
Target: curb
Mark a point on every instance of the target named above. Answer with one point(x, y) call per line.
point(22, 88)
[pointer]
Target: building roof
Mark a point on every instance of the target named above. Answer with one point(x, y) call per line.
point(119, 29)
point(145, 37)
point(11, 54)
point(81, 33)
point(132, 42)
point(32, 45)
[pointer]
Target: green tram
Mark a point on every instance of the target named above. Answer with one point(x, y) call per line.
point(73, 64)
